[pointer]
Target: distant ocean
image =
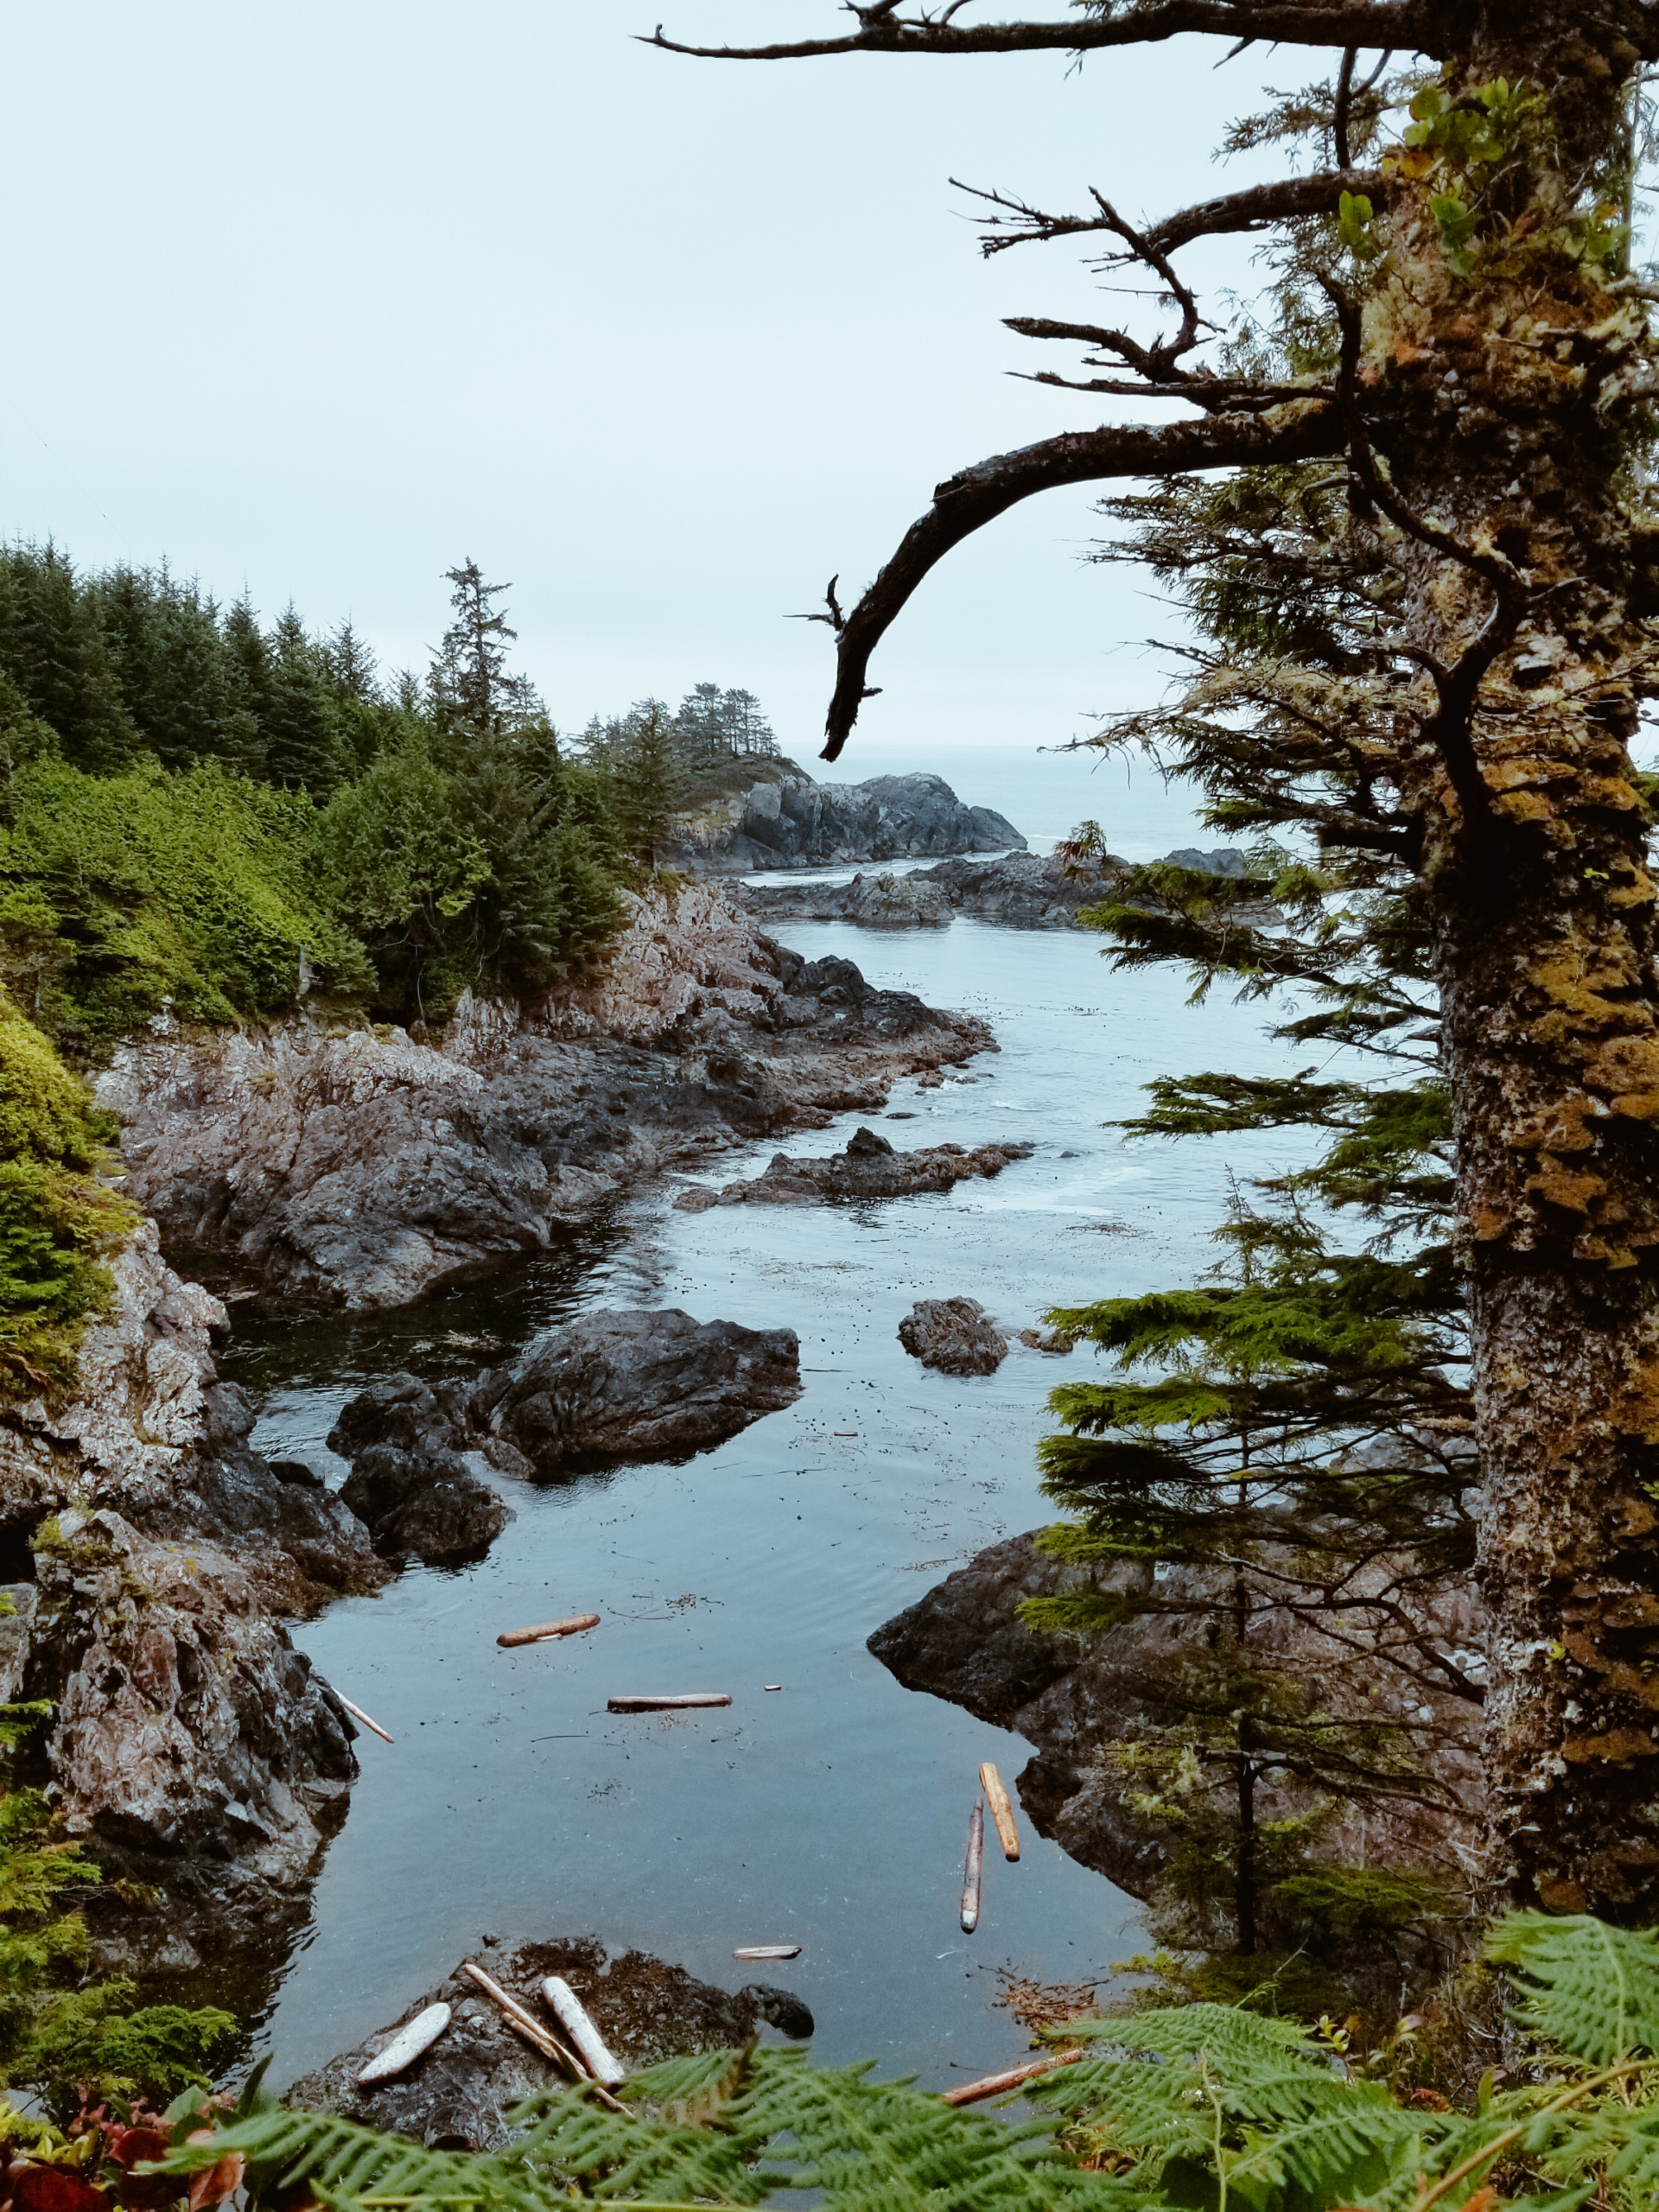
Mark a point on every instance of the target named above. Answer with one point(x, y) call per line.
point(1045, 795)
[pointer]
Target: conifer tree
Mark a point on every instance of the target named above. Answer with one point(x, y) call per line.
point(1458, 342)
point(472, 691)
point(299, 726)
point(52, 648)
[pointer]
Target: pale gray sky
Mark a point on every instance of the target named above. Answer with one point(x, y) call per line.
point(326, 297)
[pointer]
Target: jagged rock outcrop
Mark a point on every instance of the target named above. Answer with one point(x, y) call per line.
point(155, 1555)
point(798, 823)
point(965, 1640)
point(365, 1168)
point(954, 1335)
point(870, 1167)
point(1031, 890)
point(612, 1386)
point(456, 2092)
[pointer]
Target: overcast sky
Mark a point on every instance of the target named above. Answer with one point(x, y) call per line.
point(325, 298)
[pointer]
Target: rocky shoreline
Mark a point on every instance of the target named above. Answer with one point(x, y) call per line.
point(1025, 890)
point(155, 1560)
point(340, 1164)
point(787, 820)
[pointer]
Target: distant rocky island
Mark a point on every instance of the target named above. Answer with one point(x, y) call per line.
point(782, 819)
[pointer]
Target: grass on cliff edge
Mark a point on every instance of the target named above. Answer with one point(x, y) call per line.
point(57, 1219)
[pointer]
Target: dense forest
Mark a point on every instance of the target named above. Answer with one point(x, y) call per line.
point(204, 812)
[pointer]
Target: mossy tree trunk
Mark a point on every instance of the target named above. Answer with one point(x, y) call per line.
point(1496, 379)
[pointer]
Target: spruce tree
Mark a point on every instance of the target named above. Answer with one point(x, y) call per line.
point(1458, 342)
point(299, 726)
point(52, 648)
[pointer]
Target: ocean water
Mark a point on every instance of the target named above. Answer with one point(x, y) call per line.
point(831, 1812)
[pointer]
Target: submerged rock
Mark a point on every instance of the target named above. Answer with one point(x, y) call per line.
point(637, 1386)
point(456, 2092)
point(427, 1503)
point(364, 1167)
point(953, 1334)
point(869, 1168)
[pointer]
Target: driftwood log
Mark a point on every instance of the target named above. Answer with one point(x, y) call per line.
point(1001, 1811)
point(970, 1871)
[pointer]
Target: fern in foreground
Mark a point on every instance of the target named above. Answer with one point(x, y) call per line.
point(1203, 2108)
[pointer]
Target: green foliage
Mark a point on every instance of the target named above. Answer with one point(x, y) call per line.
point(732, 2127)
point(128, 893)
point(57, 1219)
point(64, 2039)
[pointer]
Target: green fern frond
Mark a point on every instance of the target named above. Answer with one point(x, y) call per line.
point(1590, 1990)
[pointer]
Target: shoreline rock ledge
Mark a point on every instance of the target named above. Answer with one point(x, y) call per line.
point(326, 1161)
point(870, 1167)
point(152, 1557)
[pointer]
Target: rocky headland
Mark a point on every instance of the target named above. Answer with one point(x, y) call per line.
point(330, 1161)
point(788, 821)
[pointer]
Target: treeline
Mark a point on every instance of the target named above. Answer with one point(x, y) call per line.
point(201, 812)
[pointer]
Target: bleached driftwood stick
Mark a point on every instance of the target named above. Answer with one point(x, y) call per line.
point(1001, 1811)
point(547, 1630)
point(411, 2039)
point(534, 2033)
point(574, 2018)
point(768, 1951)
point(663, 1704)
point(357, 1713)
point(970, 1871)
point(995, 2084)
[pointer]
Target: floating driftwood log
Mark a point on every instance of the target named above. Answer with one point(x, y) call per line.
point(1001, 1811)
point(768, 1951)
point(547, 1630)
point(357, 1713)
point(411, 2039)
point(573, 2017)
point(994, 2085)
point(664, 1704)
point(970, 1869)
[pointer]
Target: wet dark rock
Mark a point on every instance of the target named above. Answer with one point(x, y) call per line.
point(1053, 1341)
point(965, 1640)
point(869, 1168)
point(457, 2093)
point(624, 1385)
point(429, 1505)
point(798, 823)
point(404, 1409)
point(953, 1334)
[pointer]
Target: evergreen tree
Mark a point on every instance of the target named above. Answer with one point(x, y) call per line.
point(641, 758)
point(300, 726)
point(251, 657)
point(52, 648)
point(1455, 337)
point(473, 693)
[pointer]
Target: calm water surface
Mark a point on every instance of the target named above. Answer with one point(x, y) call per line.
point(831, 1812)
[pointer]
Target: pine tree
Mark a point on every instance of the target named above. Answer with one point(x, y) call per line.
point(645, 778)
point(1455, 337)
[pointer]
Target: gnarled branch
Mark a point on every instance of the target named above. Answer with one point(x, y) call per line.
point(966, 502)
point(1253, 209)
point(1413, 26)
